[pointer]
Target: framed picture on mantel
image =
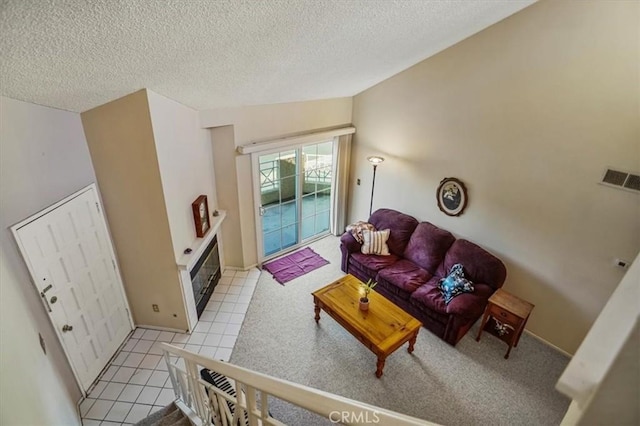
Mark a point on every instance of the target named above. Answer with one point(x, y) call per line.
point(201, 215)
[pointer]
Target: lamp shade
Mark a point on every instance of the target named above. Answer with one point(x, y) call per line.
point(375, 160)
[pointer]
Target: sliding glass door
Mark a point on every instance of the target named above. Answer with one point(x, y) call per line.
point(295, 196)
point(316, 189)
point(279, 200)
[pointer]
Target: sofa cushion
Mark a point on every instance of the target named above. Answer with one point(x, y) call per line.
point(372, 263)
point(405, 275)
point(430, 296)
point(455, 283)
point(400, 224)
point(375, 242)
point(428, 246)
point(480, 266)
point(394, 294)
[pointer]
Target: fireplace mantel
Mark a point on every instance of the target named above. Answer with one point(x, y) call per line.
point(187, 261)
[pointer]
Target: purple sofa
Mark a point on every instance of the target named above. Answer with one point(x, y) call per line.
point(422, 254)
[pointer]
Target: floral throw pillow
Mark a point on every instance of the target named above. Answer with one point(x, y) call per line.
point(375, 242)
point(455, 284)
point(358, 228)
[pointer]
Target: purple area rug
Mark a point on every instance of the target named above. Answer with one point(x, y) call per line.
point(294, 265)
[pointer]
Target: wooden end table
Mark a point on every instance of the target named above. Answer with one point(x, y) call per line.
point(382, 329)
point(505, 317)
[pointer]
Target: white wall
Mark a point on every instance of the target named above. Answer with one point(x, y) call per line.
point(528, 113)
point(185, 159)
point(616, 401)
point(603, 376)
point(43, 158)
point(268, 122)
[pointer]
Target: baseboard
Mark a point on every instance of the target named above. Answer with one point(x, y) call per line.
point(562, 351)
point(236, 268)
point(78, 410)
point(154, 327)
point(233, 268)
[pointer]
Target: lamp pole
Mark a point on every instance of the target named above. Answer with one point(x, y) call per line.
point(373, 185)
point(375, 160)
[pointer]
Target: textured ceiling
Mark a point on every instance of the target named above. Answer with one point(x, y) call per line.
point(78, 54)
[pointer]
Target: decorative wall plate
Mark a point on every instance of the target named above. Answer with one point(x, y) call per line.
point(452, 196)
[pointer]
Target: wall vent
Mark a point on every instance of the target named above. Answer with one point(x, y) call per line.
point(622, 180)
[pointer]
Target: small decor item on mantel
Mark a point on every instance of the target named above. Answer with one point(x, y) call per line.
point(452, 196)
point(201, 215)
point(366, 289)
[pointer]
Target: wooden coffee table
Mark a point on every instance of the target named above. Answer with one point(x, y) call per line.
point(383, 328)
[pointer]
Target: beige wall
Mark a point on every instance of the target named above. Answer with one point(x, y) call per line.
point(224, 158)
point(43, 158)
point(259, 123)
point(121, 142)
point(527, 113)
point(185, 159)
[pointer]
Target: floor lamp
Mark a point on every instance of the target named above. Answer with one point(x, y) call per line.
point(374, 160)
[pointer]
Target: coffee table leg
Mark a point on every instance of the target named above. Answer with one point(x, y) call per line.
point(380, 366)
point(412, 342)
point(317, 310)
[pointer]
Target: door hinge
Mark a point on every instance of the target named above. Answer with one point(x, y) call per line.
point(98, 207)
point(113, 262)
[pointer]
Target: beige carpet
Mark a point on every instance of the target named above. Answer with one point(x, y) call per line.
point(470, 384)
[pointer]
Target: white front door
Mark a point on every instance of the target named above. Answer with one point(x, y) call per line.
point(72, 263)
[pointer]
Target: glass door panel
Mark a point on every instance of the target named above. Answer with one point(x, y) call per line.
point(323, 208)
point(295, 195)
point(278, 204)
point(316, 199)
point(308, 214)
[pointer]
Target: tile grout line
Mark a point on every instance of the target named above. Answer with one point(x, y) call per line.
point(141, 343)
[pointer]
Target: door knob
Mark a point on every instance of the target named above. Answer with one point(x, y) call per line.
point(67, 327)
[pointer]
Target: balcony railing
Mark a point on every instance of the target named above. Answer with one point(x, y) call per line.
point(206, 404)
point(316, 169)
point(269, 176)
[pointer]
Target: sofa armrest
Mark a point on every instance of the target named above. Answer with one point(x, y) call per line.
point(350, 243)
point(471, 305)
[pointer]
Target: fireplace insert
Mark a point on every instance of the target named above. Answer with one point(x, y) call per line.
point(205, 275)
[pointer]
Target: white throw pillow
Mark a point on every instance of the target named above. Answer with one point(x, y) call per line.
point(375, 242)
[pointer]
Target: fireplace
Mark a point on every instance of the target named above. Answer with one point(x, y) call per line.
point(205, 275)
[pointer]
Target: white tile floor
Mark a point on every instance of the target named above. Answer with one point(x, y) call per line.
point(136, 383)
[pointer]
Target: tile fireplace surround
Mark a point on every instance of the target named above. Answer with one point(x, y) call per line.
point(189, 260)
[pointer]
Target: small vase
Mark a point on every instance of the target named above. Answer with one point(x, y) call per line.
point(364, 305)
